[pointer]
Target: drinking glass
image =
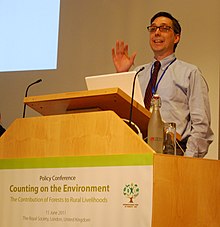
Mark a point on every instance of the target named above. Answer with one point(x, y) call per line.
point(169, 144)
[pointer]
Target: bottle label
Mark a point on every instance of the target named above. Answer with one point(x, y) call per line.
point(156, 139)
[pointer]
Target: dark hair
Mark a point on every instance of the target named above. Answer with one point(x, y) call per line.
point(176, 26)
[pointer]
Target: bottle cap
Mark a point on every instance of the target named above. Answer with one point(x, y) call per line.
point(156, 101)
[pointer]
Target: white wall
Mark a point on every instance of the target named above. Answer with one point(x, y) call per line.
point(88, 31)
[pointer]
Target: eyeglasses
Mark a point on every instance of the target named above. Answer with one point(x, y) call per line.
point(162, 28)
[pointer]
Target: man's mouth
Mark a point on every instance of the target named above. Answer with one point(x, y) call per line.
point(158, 41)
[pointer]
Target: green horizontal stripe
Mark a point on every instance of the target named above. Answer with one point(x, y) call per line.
point(78, 161)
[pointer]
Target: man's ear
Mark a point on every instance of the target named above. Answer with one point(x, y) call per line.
point(177, 38)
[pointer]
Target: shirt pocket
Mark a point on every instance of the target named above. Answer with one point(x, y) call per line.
point(173, 92)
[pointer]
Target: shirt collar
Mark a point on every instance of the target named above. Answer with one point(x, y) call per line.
point(166, 61)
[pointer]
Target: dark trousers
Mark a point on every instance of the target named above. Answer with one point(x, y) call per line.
point(2, 130)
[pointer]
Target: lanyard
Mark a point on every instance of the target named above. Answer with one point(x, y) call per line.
point(154, 89)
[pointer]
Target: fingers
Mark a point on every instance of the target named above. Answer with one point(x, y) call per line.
point(113, 53)
point(122, 49)
point(126, 50)
point(119, 47)
point(121, 58)
point(132, 58)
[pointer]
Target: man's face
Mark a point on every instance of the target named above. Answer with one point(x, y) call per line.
point(162, 42)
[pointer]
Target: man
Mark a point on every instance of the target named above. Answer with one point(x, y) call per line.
point(183, 90)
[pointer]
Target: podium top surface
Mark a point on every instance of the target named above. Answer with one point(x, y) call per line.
point(93, 100)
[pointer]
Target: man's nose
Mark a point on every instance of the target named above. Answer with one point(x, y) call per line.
point(157, 32)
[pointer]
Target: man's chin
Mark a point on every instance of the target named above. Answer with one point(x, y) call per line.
point(157, 47)
point(157, 50)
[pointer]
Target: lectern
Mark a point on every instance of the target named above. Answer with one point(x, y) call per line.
point(77, 123)
point(86, 129)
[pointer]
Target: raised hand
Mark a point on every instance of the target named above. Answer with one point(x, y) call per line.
point(120, 57)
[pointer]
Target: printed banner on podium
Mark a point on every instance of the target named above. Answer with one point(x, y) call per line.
point(77, 191)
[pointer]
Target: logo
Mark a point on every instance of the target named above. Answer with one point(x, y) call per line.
point(131, 191)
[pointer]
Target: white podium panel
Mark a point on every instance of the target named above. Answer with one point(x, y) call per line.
point(114, 190)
